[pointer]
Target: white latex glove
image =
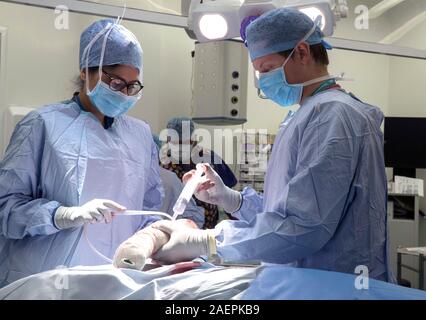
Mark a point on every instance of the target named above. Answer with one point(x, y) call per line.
point(133, 252)
point(96, 210)
point(185, 243)
point(213, 190)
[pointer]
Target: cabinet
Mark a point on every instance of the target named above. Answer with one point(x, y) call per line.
point(403, 229)
point(254, 150)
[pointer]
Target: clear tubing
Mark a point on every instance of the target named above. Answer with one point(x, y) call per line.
point(143, 213)
point(187, 192)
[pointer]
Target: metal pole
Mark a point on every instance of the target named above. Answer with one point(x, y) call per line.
point(421, 272)
point(398, 267)
point(110, 11)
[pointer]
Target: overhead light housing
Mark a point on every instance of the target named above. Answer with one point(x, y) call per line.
point(221, 19)
point(213, 26)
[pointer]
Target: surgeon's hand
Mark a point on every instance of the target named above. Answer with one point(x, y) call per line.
point(213, 190)
point(133, 252)
point(185, 243)
point(96, 210)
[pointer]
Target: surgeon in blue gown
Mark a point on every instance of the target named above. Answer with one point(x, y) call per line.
point(80, 161)
point(324, 202)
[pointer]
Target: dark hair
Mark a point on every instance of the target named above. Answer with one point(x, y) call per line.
point(318, 52)
point(79, 83)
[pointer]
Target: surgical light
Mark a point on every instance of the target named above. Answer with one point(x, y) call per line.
point(221, 19)
point(314, 13)
point(213, 26)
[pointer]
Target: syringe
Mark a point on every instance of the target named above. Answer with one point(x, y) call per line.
point(187, 192)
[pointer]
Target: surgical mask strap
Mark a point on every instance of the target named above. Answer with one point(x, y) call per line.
point(120, 19)
point(320, 79)
point(306, 37)
point(86, 53)
point(101, 62)
point(327, 77)
point(108, 28)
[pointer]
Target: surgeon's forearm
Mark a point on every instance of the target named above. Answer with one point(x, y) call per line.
point(251, 204)
point(270, 238)
point(20, 217)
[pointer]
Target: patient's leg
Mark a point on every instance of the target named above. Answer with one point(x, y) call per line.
point(133, 252)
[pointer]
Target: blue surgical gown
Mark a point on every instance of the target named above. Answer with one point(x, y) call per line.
point(60, 155)
point(324, 202)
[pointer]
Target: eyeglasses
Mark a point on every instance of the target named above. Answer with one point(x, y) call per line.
point(118, 84)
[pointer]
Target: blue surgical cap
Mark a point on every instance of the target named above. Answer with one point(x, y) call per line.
point(178, 123)
point(122, 47)
point(280, 30)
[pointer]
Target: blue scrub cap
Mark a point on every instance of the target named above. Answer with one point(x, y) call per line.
point(122, 47)
point(177, 124)
point(280, 30)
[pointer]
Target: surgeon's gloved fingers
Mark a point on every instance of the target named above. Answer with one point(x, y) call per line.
point(96, 215)
point(206, 185)
point(165, 226)
point(209, 171)
point(203, 195)
point(82, 214)
point(166, 256)
point(80, 221)
point(188, 176)
point(160, 239)
point(114, 206)
point(106, 214)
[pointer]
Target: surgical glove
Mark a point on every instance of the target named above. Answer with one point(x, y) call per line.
point(213, 190)
point(96, 210)
point(133, 252)
point(185, 243)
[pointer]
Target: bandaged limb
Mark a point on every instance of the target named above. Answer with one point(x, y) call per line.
point(133, 253)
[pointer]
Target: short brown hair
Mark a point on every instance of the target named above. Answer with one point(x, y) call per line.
point(318, 52)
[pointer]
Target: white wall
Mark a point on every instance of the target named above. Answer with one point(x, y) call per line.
point(35, 47)
point(42, 62)
point(407, 89)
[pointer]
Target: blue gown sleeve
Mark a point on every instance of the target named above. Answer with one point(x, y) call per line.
point(23, 211)
point(154, 195)
point(310, 206)
point(252, 204)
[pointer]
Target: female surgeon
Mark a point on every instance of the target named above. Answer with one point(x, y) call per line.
point(80, 161)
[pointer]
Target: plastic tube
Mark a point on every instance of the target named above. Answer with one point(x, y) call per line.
point(187, 192)
point(143, 213)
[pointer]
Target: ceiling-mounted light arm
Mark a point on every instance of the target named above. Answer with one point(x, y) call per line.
point(221, 19)
point(382, 7)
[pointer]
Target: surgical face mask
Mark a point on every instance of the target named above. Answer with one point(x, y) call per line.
point(275, 86)
point(108, 102)
point(111, 103)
